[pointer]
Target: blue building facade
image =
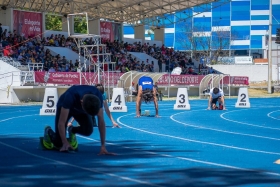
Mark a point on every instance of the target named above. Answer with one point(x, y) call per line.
point(244, 23)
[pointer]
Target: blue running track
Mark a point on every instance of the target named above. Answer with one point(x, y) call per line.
point(235, 147)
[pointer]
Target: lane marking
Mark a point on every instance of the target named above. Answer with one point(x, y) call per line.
point(195, 141)
point(18, 111)
point(72, 165)
point(248, 124)
point(218, 130)
point(125, 178)
point(18, 117)
point(268, 115)
point(185, 158)
point(79, 167)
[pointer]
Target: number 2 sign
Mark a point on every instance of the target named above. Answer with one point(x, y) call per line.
point(243, 99)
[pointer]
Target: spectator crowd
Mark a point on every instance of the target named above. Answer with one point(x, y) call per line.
point(32, 50)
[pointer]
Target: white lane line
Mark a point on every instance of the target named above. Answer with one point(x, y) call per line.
point(218, 130)
point(18, 117)
point(195, 141)
point(21, 111)
point(79, 167)
point(269, 115)
point(141, 150)
point(185, 158)
point(127, 178)
point(248, 124)
point(72, 165)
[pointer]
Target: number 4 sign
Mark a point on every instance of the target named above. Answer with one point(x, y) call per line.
point(182, 100)
point(243, 99)
point(49, 103)
point(118, 101)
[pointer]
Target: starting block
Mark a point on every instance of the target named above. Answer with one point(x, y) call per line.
point(146, 113)
point(49, 102)
point(118, 101)
point(243, 98)
point(182, 100)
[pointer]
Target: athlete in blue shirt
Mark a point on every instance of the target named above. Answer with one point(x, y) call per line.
point(81, 102)
point(146, 92)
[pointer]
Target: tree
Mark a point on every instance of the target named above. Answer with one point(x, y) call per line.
point(53, 22)
point(221, 41)
point(202, 42)
point(186, 38)
point(80, 25)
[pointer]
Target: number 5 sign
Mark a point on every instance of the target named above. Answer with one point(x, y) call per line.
point(118, 101)
point(49, 103)
point(243, 99)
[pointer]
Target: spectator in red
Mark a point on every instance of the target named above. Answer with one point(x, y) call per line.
point(6, 51)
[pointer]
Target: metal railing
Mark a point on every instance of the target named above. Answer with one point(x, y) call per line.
point(25, 76)
point(11, 61)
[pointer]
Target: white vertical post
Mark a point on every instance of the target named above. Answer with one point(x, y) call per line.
point(130, 85)
point(269, 79)
point(68, 25)
point(43, 23)
point(169, 83)
point(98, 64)
point(229, 86)
point(87, 22)
point(108, 75)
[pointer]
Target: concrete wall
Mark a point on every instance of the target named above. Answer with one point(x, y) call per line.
point(36, 93)
point(7, 19)
point(143, 57)
point(7, 95)
point(9, 75)
point(131, 40)
point(152, 42)
point(68, 53)
point(254, 72)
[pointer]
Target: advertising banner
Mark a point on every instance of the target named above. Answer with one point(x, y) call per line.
point(72, 78)
point(27, 24)
point(110, 31)
point(106, 31)
point(239, 80)
point(180, 79)
point(243, 60)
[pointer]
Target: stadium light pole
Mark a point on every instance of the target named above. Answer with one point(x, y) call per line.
point(269, 79)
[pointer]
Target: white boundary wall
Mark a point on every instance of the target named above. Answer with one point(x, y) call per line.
point(255, 73)
point(63, 51)
point(5, 80)
point(132, 40)
point(9, 77)
point(143, 57)
point(151, 42)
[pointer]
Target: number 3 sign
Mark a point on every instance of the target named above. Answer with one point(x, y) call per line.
point(182, 100)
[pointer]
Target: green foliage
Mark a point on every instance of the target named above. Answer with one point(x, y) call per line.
point(53, 22)
point(80, 25)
